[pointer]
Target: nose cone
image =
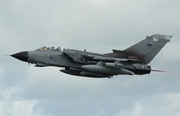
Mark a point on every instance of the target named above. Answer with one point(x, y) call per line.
point(23, 56)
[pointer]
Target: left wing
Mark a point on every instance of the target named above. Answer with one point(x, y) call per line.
point(111, 59)
point(86, 57)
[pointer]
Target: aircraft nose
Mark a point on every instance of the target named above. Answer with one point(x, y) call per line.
point(23, 56)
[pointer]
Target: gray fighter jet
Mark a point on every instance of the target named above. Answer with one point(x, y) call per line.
point(131, 61)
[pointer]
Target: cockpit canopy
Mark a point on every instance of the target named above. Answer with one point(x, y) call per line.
point(52, 48)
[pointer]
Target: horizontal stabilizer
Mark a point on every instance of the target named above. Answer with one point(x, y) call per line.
point(100, 58)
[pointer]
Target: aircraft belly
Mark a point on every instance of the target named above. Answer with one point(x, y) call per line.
point(105, 70)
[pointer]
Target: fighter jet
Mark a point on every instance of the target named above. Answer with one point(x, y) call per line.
point(131, 61)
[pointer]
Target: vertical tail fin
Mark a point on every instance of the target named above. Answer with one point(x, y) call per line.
point(147, 49)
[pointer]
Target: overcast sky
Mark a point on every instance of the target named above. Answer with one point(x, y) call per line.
point(98, 26)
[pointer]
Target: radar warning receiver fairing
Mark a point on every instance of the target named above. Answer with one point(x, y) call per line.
point(131, 61)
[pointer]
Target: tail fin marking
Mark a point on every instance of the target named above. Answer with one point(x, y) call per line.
point(147, 49)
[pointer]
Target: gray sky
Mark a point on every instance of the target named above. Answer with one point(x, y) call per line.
point(98, 26)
